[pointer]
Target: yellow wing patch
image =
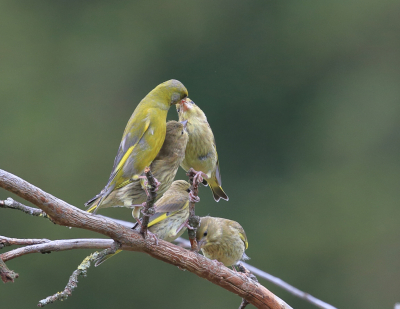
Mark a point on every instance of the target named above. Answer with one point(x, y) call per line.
point(243, 237)
point(125, 157)
point(129, 151)
point(158, 219)
point(91, 209)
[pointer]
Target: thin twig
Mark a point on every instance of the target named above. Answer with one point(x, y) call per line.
point(6, 274)
point(194, 221)
point(72, 282)
point(148, 209)
point(12, 204)
point(58, 245)
point(291, 289)
point(7, 241)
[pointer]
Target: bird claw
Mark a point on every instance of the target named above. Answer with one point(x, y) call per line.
point(193, 198)
point(198, 177)
point(188, 226)
point(157, 183)
point(218, 263)
point(154, 236)
point(137, 205)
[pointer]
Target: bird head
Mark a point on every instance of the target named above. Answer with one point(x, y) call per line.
point(208, 232)
point(174, 90)
point(176, 139)
point(180, 186)
point(186, 109)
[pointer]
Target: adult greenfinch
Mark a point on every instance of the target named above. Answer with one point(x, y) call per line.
point(142, 140)
point(171, 214)
point(222, 240)
point(201, 151)
point(163, 167)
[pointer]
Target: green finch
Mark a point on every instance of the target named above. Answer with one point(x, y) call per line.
point(171, 214)
point(142, 140)
point(164, 168)
point(201, 151)
point(222, 240)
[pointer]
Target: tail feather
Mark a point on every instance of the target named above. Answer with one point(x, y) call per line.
point(105, 258)
point(92, 209)
point(217, 191)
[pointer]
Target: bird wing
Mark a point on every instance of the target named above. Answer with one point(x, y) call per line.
point(217, 172)
point(128, 144)
point(242, 233)
point(243, 237)
point(172, 203)
point(160, 216)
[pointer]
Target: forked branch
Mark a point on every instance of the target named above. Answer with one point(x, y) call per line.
point(65, 214)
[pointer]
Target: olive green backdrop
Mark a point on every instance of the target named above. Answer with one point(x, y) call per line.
point(304, 101)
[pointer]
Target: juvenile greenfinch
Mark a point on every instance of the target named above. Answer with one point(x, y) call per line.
point(164, 168)
point(141, 142)
point(222, 240)
point(171, 214)
point(201, 151)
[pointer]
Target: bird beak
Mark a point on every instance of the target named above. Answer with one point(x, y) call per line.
point(184, 123)
point(200, 243)
point(184, 105)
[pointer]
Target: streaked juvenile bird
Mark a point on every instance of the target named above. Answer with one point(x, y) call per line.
point(164, 168)
point(222, 240)
point(142, 140)
point(201, 151)
point(171, 214)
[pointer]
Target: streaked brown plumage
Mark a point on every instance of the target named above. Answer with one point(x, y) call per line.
point(201, 150)
point(172, 211)
point(222, 240)
point(171, 214)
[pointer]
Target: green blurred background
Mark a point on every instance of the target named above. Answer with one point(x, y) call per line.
point(303, 99)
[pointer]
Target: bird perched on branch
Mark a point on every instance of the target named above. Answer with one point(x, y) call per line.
point(142, 140)
point(171, 214)
point(222, 240)
point(164, 168)
point(201, 151)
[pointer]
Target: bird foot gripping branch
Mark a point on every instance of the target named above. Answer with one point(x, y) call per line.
point(148, 209)
point(195, 178)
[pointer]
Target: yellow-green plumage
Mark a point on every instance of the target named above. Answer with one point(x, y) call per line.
point(141, 142)
point(163, 167)
point(171, 212)
point(222, 240)
point(201, 150)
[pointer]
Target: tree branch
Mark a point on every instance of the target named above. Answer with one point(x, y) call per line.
point(10, 203)
point(57, 245)
point(148, 209)
point(7, 275)
point(65, 214)
point(6, 241)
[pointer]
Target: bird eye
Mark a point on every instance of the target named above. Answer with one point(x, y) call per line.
point(188, 190)
point(181, 132)
point(178, 110)
point(205, 233)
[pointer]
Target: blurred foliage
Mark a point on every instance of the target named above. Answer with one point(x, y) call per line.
point(302, 96)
